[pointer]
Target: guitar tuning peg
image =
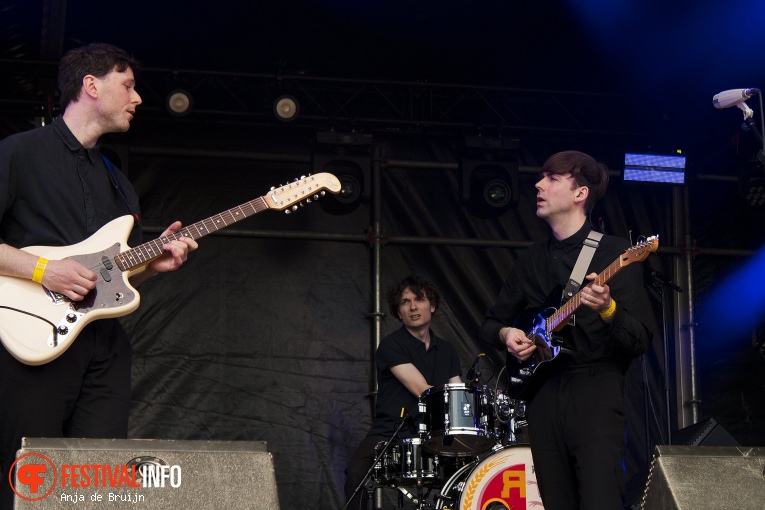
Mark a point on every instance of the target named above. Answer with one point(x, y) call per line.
point(287, 211)
point(294, 208)
point(302, 177)
point(323, 193)
point(273, 188)
point(307, 200)
point(316, 197)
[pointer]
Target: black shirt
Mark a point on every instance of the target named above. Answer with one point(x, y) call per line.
point(542, 266)
point(55, 192)
point(438, 364)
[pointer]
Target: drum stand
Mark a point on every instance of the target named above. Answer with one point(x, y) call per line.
point(370, 488)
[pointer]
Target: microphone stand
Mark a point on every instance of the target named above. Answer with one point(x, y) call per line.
point(663, 282)
point(377, 459)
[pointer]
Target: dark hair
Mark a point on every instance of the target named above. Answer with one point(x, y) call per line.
point(98, 59)
point(585, 171)
point(420, 287)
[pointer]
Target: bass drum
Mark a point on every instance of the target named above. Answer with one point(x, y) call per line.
point(503, 480)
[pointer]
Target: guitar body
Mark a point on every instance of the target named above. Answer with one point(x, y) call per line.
point(30, 339)
point(527, 376)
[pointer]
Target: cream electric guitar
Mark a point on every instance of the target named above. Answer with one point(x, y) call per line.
point(38, 325)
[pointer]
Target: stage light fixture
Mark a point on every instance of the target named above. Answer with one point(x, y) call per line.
point(350, 189)
point(489, 175)
point(489, 188)
point(179, 102)
point(286, 108)
point(497, 193)
point(346, 156)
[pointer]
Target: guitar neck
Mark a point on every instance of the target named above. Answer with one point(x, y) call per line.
point(559, 319)
point(146, 252)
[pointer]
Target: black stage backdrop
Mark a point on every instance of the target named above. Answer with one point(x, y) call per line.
point(264, 337)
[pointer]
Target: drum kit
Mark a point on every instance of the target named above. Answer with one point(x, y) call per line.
point(470, 453)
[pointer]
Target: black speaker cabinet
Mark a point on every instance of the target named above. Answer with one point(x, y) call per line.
point(144, 473)
point(701, 477)
point(705, 433)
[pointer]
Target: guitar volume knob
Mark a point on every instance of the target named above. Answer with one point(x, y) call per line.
point(70, 317)
point(62, 330)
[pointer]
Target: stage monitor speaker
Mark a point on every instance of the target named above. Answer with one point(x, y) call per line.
point(700, 477)
point(144, 473)
point(705, 433)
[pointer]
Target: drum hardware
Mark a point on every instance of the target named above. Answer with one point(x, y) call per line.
point(363, 483)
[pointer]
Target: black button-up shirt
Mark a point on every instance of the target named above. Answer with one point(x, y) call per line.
point(55, 192)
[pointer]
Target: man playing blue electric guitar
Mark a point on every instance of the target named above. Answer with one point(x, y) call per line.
point(573, 383)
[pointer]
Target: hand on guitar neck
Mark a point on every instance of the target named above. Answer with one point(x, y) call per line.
point(176, 251)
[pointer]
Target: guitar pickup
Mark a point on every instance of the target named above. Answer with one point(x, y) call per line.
point(105, 275)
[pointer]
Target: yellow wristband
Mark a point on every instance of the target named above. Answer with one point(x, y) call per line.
point(609, 311)
point(37, 276)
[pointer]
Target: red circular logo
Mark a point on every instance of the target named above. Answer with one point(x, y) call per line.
point(35, 476)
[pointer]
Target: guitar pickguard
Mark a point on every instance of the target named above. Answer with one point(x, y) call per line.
point(111, 292)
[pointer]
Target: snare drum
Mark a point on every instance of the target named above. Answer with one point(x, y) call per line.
point(503, 480)
point(457, 420)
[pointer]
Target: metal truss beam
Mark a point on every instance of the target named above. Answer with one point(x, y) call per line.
point(366, 105)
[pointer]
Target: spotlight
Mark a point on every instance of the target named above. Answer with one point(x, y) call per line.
point(350, 189)
point(353, 184)
point(497, 193)
point(286, 108)
point(347, 156)
point(489, 175)
point(489, 188)
point(179, 102)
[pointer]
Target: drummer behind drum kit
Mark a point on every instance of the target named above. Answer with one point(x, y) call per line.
point(469, 454)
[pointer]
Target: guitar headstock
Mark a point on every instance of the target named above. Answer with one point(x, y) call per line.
point(641, 250)
point(308, 188)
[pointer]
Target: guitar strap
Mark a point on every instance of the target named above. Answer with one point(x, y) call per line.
point(582, 263)
point(116, 183)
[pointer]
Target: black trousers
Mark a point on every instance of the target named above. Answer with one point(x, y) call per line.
point(576, 432)
point(83, 393)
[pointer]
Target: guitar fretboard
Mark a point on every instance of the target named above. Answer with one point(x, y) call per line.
point(149, 251)
point(559, 319)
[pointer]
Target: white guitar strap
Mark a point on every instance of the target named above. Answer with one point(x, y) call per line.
point(582, 263)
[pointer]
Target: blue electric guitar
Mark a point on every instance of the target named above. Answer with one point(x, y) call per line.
point(541, 324)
